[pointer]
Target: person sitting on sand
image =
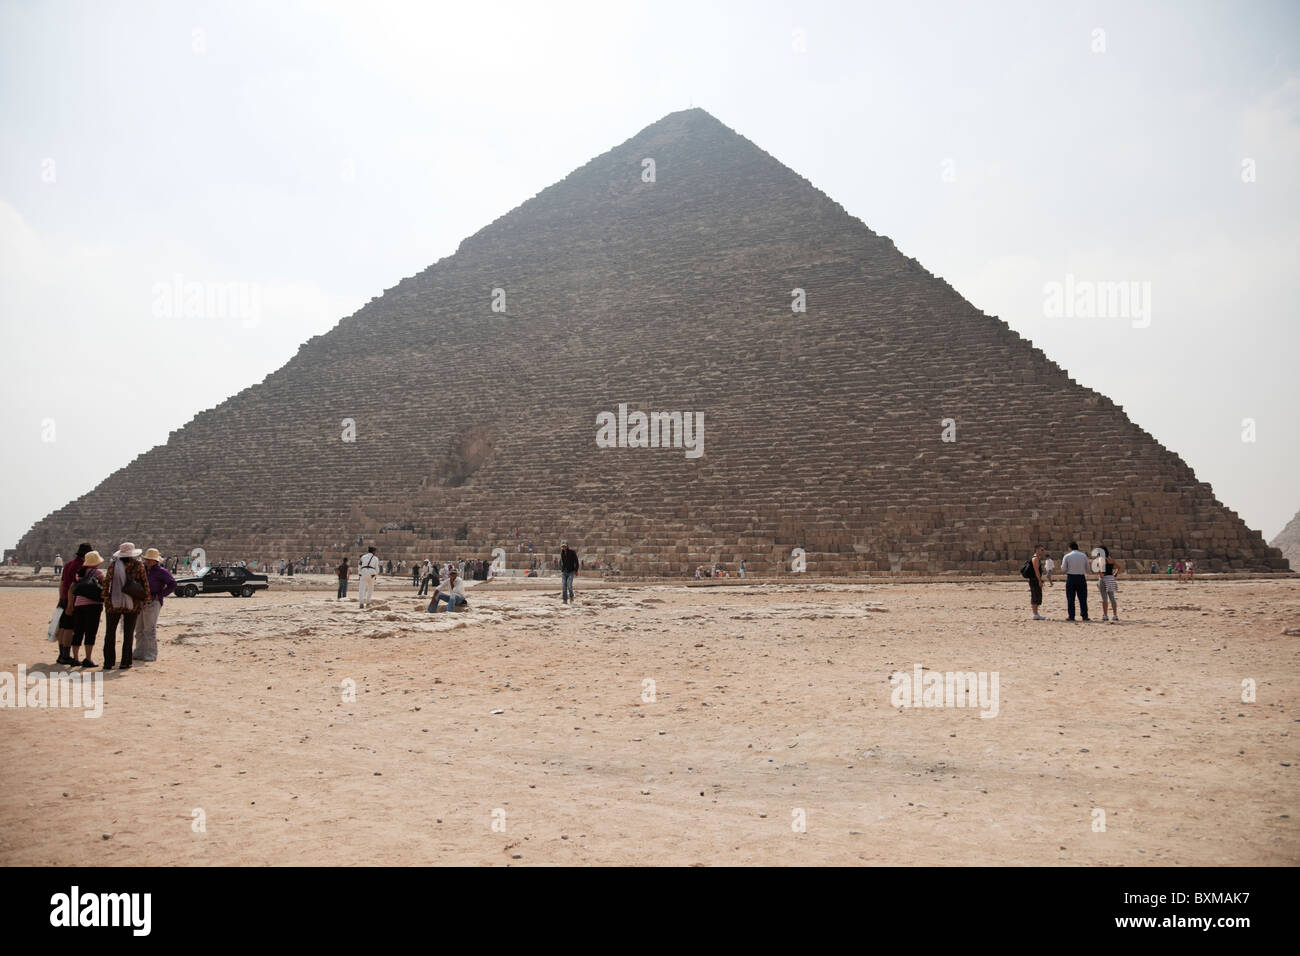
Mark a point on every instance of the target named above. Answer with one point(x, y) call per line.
point(455, 593)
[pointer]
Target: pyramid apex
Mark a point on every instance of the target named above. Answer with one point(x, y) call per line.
point(691, 113)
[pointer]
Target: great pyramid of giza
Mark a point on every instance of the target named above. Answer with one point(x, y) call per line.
point(668, 287)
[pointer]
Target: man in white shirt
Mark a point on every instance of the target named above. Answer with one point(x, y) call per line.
point(1075, 566)
point(455, 593)
point(368, 569)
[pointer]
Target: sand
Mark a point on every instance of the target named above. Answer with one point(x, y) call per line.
point(771, 705)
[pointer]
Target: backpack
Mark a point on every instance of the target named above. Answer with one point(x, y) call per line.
point(87, 586)
point(1027, 569)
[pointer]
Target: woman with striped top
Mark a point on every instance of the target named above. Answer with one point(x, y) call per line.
point(1107, 586)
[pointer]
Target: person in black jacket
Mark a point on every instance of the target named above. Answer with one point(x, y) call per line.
point(568, 568)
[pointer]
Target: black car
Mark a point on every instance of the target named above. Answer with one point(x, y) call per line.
point(234, 579)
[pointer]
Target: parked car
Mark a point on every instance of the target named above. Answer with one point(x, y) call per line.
point(233, 579)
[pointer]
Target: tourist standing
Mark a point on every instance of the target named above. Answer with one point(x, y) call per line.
point(1075, 566)
point(66, 624)
point(415, 574)
point(342, 572)
point(1035, 577)
point(86, 598)
point(368, 571)
point(1106, 582)
point(568, 569)
point(58, 566)
point(161, 585)
point(430, 577)
point(125, 591)
point(1048, 567)
point(742, 569)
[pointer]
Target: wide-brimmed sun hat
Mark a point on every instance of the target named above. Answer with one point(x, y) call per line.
point(153, 555)
point(128, 550)
point(92, 560)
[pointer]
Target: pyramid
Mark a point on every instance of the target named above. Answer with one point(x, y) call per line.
point(1288, 541)
point(471, 395)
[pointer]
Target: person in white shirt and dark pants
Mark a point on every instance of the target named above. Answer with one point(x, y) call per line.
point(1075, 566)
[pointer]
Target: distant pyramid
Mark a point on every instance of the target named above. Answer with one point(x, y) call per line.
point(1288, 541)
point(668, 292)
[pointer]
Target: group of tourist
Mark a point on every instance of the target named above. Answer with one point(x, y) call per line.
point(472, 569)
point(129, 588)
point(717, 571)
point(428, 575)
point(1180, 567)
point(1075, 566)
point(424, 576)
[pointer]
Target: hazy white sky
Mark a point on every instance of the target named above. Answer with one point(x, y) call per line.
point(318, 152)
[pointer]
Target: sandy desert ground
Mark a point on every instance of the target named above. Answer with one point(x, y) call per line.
point(770, 704)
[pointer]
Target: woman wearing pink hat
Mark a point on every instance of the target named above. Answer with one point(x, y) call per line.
point(125, 592)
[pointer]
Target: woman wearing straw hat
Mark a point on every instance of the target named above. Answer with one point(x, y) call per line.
point(85, 598)
point(161, 585)
point(125, 592)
